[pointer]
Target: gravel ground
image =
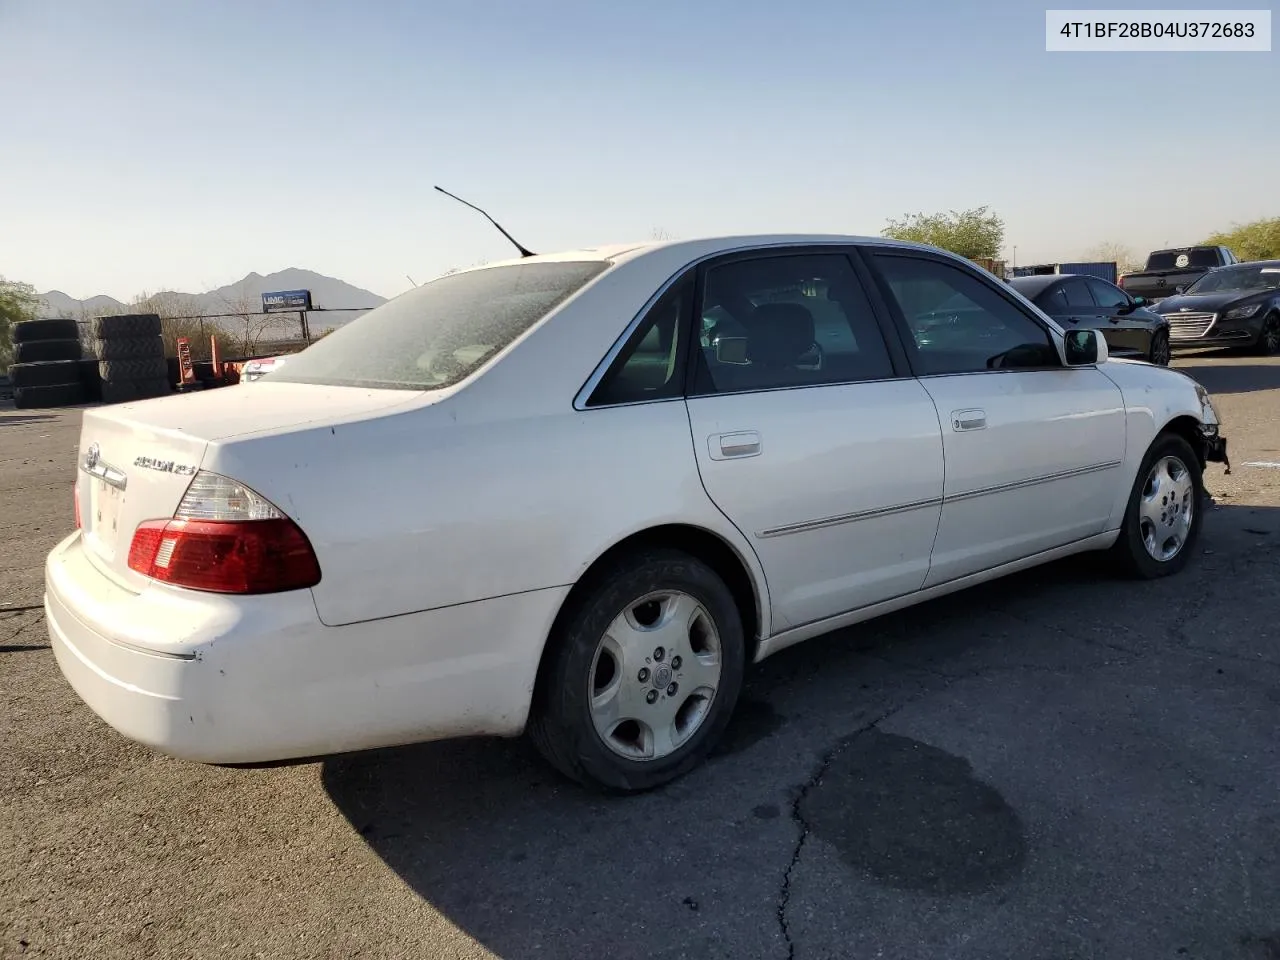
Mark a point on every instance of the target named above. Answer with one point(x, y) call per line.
point(1058, 765)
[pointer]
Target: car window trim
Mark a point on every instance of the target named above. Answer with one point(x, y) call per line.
point(872, 250)
point(897, 358)
point(1083, 282)
point(636, 333)
point(602, 368)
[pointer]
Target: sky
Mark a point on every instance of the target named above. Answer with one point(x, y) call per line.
point(152, 144)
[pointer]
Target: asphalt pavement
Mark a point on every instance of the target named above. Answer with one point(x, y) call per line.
point(1057, 765)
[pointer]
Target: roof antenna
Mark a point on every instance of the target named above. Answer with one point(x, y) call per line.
point(523, 251)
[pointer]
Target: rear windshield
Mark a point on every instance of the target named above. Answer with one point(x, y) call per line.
point(441, 332)
point(1169, 259)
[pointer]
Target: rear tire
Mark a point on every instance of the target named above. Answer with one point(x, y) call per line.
point(1162, 520)
point(128, 348)
point(126, 325)
point(56, 395)
point(46, 373)
point(52, 329)
point(39, 351)
point(642, 674)
point(126, 391)
point(1268, 344)
point(143, 368)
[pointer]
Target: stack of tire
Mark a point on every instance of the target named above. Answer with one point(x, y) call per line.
point(46, 364)
point(130, 354)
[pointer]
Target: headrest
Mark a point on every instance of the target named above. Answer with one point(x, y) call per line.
point(779, 334)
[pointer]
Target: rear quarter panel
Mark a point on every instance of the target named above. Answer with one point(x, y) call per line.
point(430, 508)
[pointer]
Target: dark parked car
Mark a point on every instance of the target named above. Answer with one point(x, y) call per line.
point(1237, 306)
point(1167, 271)
point(1127, 323)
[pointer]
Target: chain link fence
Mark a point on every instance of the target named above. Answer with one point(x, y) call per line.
point(242, 336)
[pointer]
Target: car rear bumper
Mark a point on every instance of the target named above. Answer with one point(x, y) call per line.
point(233, 680)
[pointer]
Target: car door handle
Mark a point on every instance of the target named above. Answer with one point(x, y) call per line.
point(725, 446)
point(969, 419)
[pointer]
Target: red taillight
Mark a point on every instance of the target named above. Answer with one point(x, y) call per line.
point(225, 556)
point(75, 495)
point(1120, 282)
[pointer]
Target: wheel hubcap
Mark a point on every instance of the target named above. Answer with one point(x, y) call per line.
point(1271, 336)
point(1166, 509)
point(655, 675)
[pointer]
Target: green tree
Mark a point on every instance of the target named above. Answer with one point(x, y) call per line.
point(1259, 240)
point(1120, 254)
point(18, 301)
point(970, 233)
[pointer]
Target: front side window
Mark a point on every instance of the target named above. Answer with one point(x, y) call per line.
point(441, 332)
point(958, 324)
point(786, 321)
point(1107, 295)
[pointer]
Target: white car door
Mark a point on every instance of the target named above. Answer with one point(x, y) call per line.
point(824, 454)
point(1032, 448)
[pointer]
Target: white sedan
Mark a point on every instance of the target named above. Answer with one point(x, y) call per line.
point(578, 494)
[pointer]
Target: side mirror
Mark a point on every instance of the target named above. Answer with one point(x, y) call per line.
point(1084, 348)
point(1180, 288)
point(1140, 301)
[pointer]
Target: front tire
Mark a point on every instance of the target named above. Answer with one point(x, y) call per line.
point(642, 675)
point(1162, 521)
point(1160, 353)
point(1268, 344)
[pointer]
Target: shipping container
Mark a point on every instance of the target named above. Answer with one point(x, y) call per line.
point(1105, 270)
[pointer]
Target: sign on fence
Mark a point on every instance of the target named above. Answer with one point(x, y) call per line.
point(186, 372)
point(286, 300)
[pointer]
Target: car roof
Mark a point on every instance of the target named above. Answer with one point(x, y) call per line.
point(1266, 264)
point(1037, 283)
point(699, 247)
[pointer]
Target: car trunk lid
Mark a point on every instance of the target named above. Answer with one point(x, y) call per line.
point(136, 460)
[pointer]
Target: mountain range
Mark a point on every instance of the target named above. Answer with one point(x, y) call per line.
point(327, 293)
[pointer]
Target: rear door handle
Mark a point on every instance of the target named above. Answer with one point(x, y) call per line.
point(971, 419)
point(727, 446)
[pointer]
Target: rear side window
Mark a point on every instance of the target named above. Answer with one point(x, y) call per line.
point(1077, 294)
point(441, 332)
point(1053, 301)
point(649, 367)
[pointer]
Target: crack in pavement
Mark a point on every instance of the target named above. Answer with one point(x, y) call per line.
point(784, 893)
point(23, 627)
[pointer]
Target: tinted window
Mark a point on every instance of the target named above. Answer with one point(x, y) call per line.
point(1053, 301)
point(960, 324)
point(1241, 279)
point(1107, 295)
point(1168, 259)
point(787, 321)
point(440, 332)
point(648, 368)
point(1077, 294)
